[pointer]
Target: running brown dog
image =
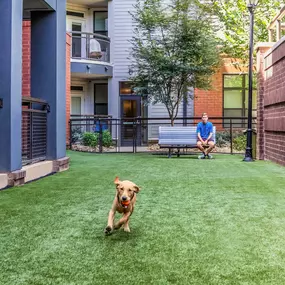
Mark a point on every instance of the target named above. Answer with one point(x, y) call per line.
point(124, 203)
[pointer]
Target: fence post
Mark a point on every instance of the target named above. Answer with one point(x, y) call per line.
point(134, 136)
point(31, 135)
point(70, 134)
point(231, 135)
point(100, 137)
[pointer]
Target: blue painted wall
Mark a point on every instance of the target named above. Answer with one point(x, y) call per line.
point(92, 68)
point(48, 72)
point(11, 85)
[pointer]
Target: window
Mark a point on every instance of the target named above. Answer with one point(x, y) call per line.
point(76, 88)
point(75, 105)
point(236, 98)
point(101, 99)
point(125, 88)
point(75, 14)
point(101, 23)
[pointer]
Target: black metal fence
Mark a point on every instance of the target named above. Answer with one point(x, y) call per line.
point(34, 130)
point(135, 135)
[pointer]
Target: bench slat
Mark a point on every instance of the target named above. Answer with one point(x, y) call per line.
point(180, 136)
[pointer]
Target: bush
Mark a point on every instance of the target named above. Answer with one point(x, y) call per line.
point(239, 143)
point(106, 138)
point(223, 138)
point(76, 135)
point(90, 139)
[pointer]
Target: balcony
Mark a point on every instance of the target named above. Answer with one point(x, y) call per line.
point(90, 55)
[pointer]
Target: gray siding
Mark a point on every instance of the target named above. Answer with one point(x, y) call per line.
point(121, 31)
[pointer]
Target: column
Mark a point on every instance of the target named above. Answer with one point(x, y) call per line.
point(48, 73)
point(11, 85)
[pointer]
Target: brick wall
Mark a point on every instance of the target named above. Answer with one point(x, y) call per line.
point(212, 101)
point(26, 63)
point(68, 82)
point(271, 102)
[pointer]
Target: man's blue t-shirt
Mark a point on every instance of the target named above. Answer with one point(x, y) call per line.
point(204, 129)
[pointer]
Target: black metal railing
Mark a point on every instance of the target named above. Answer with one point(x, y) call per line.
point(34, 130)
point(90, 46)
point(141, 134)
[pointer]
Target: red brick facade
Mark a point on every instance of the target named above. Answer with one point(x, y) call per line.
point(211, 101)
point(26, 63)
point(271, 103)
point(68, 82)
point(26, 72)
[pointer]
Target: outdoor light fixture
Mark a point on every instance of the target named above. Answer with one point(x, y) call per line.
point(1, 103)
point(251, 5)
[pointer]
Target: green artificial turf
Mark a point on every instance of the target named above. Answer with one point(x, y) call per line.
point(217, 221)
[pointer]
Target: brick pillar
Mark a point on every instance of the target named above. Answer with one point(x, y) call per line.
point(261, 50)
point(68, 83)
point(26, 63)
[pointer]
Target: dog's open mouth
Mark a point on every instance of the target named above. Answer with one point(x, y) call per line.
point(125, 204)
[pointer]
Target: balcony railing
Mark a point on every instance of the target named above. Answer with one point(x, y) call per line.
point(90, 46)
point(277, 24)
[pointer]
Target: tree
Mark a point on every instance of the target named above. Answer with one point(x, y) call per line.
point(232, 18)
point(173, 49)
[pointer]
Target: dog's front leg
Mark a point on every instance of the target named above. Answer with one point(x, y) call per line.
point(110, 225)
point(123, 220)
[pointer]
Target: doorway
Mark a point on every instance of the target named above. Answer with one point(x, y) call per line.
point(130, 109)
point(76, 27)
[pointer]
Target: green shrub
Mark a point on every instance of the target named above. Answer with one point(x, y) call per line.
point(76, 134)
point(239, 143)
point(106, 138)
point(223, 138)
point(90, 139)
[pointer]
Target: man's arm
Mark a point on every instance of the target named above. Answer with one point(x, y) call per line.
point(199, 134)
point(210, 135)
point(200, 139)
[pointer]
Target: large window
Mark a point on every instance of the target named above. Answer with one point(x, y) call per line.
point(236, 97)
point(100, 99)
point(101, 23)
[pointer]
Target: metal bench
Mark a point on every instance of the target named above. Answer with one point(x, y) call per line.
point(179, 137)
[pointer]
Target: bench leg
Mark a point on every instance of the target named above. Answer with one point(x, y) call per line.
point(169, 153)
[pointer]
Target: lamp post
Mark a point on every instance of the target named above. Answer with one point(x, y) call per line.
point(251, 5)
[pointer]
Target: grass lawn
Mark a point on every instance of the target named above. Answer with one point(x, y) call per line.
point(216, 221)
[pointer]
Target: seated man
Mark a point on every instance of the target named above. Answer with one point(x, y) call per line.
point(205, 132)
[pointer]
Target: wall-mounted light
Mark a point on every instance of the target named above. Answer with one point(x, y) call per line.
point(1, 103)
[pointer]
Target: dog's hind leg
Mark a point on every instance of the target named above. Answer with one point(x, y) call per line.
point(126, 226)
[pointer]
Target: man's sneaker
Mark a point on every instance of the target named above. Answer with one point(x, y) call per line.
point(209, 156)
point(203, 156)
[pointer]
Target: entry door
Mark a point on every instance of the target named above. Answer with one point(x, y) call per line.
point(76, 105)
point(130, 109)
point(79, 44)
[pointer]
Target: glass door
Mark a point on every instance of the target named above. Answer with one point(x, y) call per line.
point(130, 129)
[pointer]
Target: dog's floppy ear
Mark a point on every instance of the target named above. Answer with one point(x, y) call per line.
point(117, 180)
point(137, 189)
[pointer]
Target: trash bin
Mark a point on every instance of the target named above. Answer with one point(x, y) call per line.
point(254, 133)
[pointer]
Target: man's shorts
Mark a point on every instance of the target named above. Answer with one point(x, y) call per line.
point(210, 140)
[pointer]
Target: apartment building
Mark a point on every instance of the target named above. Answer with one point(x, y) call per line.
point(101, 31)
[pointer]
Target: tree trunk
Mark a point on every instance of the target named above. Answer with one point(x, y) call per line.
point(172, 121)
